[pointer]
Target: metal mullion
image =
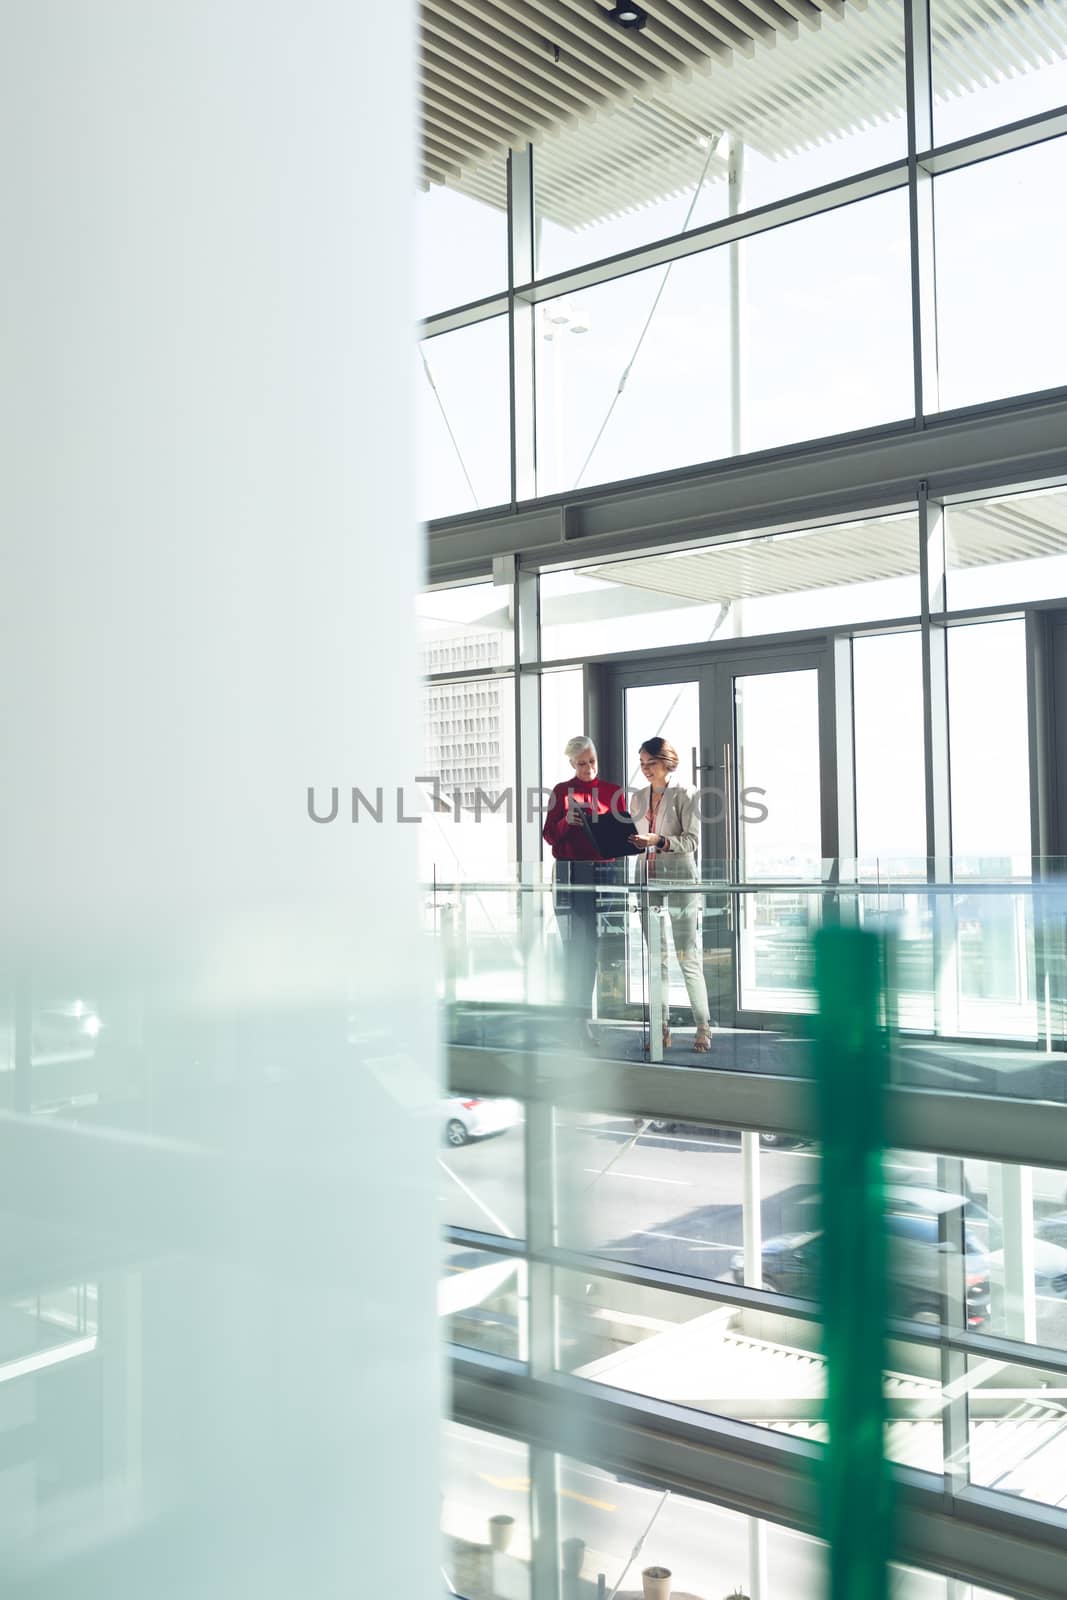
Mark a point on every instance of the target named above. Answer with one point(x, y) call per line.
point(715, 1290)
point(932, 579)
point(676, 657)
point(522, 373)
point(954, 1398)
point(540, 1194)
point(465, 316)
point(494, 1244)
point(539, 1177)
point(920, 113)
point(985, 1127)
point(842, 691)
point(880, 180)
point(999, 446)
point(778, 213)
point(469, 675)
point(996, 142)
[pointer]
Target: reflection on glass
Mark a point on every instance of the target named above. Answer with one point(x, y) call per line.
point(485, 1514)
point(1008, 548)
point(776, 767)
point(888, 742)
point(990, 786)
point(462, 420)
point(1017, 1429)
point(740, 588)
point(1018, 1216)
point(481, 1301)
point(759, 1367)
point(1000, 243)
point(994, 64)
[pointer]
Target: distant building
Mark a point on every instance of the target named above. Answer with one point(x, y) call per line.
point(463, 719)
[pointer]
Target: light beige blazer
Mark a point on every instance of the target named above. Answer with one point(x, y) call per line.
point(678, 820)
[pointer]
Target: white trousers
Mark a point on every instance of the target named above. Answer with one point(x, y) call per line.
point(685, 921)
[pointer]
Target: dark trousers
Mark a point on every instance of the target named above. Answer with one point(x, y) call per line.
point(577, 902)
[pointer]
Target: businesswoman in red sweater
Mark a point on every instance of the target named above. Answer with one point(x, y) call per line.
point(580, 869)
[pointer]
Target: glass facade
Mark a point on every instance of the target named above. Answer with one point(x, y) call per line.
point(866, 701)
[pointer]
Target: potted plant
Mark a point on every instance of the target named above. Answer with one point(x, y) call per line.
point(501, 1529)
point(656, 1583)
point(573, 1556)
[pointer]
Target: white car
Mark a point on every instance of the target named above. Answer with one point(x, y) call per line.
point(471, 1118)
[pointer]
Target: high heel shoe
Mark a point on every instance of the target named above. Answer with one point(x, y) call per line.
point(702, 1042)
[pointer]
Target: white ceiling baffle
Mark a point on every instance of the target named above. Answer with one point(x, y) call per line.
point(623, 117)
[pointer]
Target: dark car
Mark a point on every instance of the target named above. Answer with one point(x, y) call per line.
point(791, 1265)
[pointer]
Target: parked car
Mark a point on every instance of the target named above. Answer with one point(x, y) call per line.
point(467, 1119)
point(697, 1130)
point(790, 1263)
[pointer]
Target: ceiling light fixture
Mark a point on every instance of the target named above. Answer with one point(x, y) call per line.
point(628, 16)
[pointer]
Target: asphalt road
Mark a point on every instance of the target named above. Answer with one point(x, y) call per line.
point(673, 1199)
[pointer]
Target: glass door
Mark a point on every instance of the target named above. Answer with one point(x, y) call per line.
point(768, 716)
point(746, 727)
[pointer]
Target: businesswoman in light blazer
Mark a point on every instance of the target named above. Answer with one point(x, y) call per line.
point(666, 816)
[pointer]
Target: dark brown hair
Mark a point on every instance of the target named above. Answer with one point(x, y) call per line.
point(661, 750)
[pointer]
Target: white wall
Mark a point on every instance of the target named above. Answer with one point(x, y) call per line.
point(206, 605)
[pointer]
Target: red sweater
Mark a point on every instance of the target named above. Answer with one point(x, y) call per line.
point(568, 841)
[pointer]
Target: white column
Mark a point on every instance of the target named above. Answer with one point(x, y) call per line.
point(751, 1210)
point(206, 609)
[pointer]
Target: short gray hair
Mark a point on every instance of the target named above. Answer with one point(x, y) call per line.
point(574, 747)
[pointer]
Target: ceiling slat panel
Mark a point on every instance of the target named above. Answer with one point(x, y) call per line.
point(702, 26)
point(620, 119)
point(572, 30)
point(510, 118)
point(480, 45)
point(455, 59)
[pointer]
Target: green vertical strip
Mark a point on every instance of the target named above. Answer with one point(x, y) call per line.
point(851, 1059)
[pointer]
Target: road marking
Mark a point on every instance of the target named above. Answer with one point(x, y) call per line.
point(598, 1505)
point(499, 1226)
point(521, 1485)
point(639, 1177)
point(671, 1138)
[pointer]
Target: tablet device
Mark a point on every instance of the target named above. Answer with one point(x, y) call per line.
point(609, 834)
